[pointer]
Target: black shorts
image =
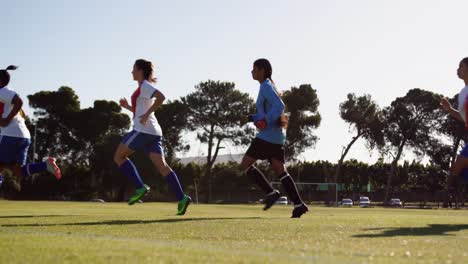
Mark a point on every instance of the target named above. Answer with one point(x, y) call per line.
point(262, 150)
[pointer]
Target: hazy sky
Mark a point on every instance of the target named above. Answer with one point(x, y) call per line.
point(379, 47)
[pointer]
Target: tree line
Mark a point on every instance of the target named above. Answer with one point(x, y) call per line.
point(84, 140)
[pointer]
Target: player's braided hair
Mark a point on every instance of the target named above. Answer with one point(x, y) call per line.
point(5, 76)
point(266, 65)
point(147, 68)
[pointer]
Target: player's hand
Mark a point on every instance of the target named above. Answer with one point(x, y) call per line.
point(144, 119)
point(4, 122)
point(124, 103)
point(445, 104)
point(261, 124)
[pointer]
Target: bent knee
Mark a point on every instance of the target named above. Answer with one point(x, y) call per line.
point(119, 158)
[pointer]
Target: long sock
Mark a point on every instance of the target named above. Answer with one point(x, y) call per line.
point(260, 179)
point(290, 188)
point(173, 182)
point(31, 168)
point(1, 180)
point(129, 170)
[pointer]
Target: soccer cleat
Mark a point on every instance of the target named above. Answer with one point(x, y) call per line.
point(139, 193)
point(271, 199)
point(183, 205)
point(299, 210)
point(53, 168)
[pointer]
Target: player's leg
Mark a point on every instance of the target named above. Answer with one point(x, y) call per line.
point(126, 166)
point(156, 155)
point(458, 171)
point(29, 169)
point(259, 150)
point(300, 208)
point(460, 164)
point(271, 195)
point(2, 167)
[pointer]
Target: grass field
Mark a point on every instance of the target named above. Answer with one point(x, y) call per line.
point(68, 232)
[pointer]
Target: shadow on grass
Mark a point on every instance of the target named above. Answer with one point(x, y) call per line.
point(134, 222)
point(30, 216)
point(430, 230)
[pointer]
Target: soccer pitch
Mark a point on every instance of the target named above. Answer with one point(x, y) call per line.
point(72, 232)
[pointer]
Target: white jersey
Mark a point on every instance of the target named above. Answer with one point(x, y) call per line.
point(462, 103)
point(17, 126)
point(142, 100)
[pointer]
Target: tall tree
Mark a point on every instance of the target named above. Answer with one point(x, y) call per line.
point(214, 112)
point(302, 109)
point(366, 120)
point(91, 125)
point(172, 117)
point(410, 122)
point(54, 113)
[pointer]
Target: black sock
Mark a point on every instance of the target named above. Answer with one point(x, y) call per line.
point(290, 188)
point(260, 179)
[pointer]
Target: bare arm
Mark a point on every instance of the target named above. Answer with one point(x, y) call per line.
point(17, 104)
point(124, 104)
point(455, 114)
point(445, 104)
point(157, 103)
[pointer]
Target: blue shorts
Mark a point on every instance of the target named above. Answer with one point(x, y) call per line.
point(147, 143)
point(464, 153)
point(14, 150)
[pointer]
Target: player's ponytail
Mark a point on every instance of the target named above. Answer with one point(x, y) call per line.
point(266, 66)
point(11, 68)
point(5, 76)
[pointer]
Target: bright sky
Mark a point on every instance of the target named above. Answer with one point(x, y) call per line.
point(383, 48)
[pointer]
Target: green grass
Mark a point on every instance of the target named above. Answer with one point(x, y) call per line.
point(69, 232)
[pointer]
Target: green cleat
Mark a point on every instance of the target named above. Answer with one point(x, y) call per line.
point(139, 193)
point(183, 205)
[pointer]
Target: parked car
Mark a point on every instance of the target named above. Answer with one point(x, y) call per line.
point(282, 200)
point(347, 202)
point(364, 201)
point(395, 202)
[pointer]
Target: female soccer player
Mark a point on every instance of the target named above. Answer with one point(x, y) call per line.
point(146, 136)
point(14, 135)
point(460, 167)
point(269, 142)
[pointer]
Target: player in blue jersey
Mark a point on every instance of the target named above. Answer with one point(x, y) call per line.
point(269, 141)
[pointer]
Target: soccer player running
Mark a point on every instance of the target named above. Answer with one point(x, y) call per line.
point(269, 142)
point(15, 138)
point(146, 136)
point(459, 170)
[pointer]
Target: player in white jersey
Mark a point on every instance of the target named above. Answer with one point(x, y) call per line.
point(146, 136)
point(14, 135)
point(459, 170)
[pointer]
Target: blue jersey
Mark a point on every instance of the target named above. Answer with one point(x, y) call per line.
point(270, 107)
